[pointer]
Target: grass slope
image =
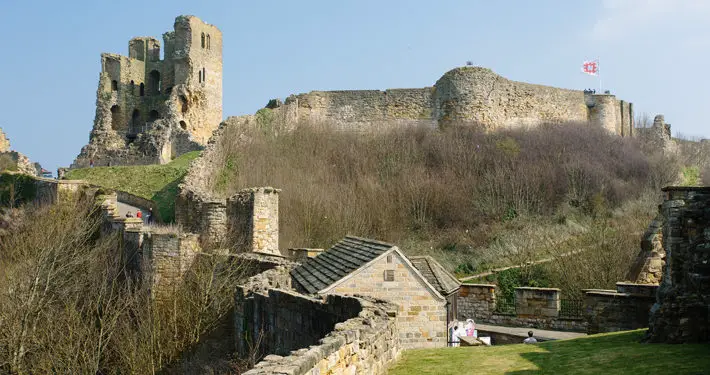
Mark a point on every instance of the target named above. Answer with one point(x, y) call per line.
point(156, 182)
point(611, 353)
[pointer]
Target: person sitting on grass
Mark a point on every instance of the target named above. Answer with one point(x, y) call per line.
point(530, 339)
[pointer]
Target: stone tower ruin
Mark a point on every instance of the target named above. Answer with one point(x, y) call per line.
point(150, 110)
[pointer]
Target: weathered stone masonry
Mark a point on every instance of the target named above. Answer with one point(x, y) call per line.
point(682, 310)
point(305, 335)
point(149, 110)
point(463, 95)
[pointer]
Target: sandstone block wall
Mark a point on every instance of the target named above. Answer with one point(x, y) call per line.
point(168, 257)
point(682, 309)
point(305, 335)
point(535, 308)
point(531, 302)
point(421, 316)
point(626, 308)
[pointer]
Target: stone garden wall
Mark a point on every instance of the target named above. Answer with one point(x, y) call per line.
point(533, 307)
point(625, 308)
point(622, 309)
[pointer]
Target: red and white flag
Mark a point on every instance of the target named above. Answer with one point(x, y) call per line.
point(591, 67)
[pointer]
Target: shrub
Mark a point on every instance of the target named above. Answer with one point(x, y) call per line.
point(415, 182)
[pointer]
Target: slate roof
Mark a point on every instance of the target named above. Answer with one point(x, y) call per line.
point(444, 282)
point(337, 262)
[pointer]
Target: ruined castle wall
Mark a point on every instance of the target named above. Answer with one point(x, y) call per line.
point(421, 316)
point(200, 68)
point(606, 113)
point(478, 95)
point(682, 308)
point(169, 256)
point(364, 109)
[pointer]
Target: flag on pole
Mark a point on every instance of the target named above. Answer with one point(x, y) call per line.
point(591, 67)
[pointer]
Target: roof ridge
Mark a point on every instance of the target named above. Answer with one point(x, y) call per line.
point(371, 240)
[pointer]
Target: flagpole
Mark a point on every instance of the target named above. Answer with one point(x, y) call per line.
point(600, 76)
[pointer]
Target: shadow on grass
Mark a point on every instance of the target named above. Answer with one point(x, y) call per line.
point(616, 353)
point(165, 199)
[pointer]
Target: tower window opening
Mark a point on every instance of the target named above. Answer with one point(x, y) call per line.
point(133, 87)
point(114, 85)
point(154, 83)
point(142, 89)
point(135, 123)
point(208, 41)
point(199, 76)
point(203, 40)
point(115, 117)
point(204, 75)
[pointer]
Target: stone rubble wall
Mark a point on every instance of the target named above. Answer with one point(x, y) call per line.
point(681, 313)
point(648, 266)
point(304, 335)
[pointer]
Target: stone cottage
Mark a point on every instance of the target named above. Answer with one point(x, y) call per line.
point(365, 267)
point(444, 282)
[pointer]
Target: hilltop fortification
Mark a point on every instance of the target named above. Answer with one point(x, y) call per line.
point(150, 110)
point(473, 95)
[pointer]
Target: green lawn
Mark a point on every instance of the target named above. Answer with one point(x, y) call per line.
point(156, 182)
point(611, 353)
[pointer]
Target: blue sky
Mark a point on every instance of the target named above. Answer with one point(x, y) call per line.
point(652, 52)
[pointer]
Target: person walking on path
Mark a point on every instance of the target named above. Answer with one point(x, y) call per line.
point(149, 219)
point(139, 214)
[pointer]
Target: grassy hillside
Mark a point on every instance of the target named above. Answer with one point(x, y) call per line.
point(156, 182)
point(615, 353)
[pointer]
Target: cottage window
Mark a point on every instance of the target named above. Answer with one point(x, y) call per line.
point(389, 275)
point(390, 258)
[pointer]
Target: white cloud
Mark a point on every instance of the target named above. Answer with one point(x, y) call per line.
point(620, 18)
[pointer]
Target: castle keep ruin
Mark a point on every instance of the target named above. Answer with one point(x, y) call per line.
point(150, 110)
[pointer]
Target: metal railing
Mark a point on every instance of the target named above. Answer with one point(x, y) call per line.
point(505, 305)
point(571, 308)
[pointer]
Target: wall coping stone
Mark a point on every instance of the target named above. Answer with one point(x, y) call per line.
point(480, 285)
point(538, 289)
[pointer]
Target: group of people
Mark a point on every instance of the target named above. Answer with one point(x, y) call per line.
point(139, 215)
point(458, 330)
